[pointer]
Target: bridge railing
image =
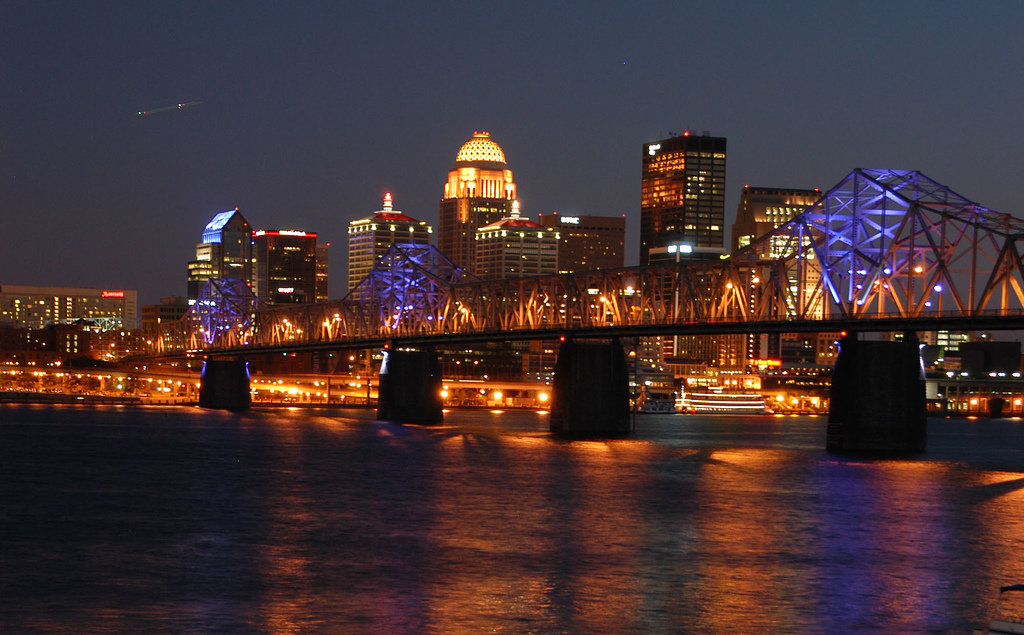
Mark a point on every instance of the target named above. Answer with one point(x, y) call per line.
point(655, 296)
point(880, 245)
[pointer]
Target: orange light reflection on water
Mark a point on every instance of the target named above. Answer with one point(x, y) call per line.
point(576, 536)
point(538, 561)
point(739, 523)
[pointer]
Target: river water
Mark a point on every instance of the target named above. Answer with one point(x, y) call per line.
point(164, 519)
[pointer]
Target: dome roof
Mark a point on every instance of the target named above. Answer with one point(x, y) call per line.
point(480, 148)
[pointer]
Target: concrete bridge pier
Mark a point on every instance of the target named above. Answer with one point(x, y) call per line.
point(878, 397)
point(590, 394)
point(224, 384)
point(410, 387)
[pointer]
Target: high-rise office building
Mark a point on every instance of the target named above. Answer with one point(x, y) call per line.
point(370, 238)
point(225, 252)
point(682, 217)
point(588, 242)
point(682, 195)
point(514, 247)
point(762, 209)
point(323, 262)
point(285, 269)
point(479, 191)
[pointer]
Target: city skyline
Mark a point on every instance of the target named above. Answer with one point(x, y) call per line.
point(304, 117)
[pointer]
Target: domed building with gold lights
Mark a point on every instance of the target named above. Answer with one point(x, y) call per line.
point(479, 191)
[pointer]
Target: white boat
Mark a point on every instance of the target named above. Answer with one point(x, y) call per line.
point(722, 402)
point(1009, 619)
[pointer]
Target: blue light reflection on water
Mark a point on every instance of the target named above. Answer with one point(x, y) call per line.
point(150, 519)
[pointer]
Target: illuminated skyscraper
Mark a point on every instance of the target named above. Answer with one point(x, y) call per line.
point(370, 238)
point(588, 242)
point(682, 195)
point(285, 271)
point(479, 191)
point(682, 217)
point(514, 247)
point(225, 252)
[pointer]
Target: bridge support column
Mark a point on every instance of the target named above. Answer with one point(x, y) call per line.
point(410, 387)
point(878, 397)
point(224, 385)
point(590, 395)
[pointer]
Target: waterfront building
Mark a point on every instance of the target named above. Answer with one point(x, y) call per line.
point(682, 194)
point(20, 346)
point(794, 350)
point(588, 242)
point(61, 344)
point(225, 251)
point(115, 344)
point(285, 266)
point(514, 247)
point(370, 238)
point(37, 307)
point(479, 191)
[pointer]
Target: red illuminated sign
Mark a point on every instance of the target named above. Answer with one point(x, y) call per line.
point(764, 362)
point(283, 232)
point(113, 294)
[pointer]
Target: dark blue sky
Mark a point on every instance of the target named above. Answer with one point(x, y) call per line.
point(309, 114)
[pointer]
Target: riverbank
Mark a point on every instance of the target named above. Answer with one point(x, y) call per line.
point(15, 396)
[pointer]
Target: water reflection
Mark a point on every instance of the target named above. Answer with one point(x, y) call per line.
point(187, 520)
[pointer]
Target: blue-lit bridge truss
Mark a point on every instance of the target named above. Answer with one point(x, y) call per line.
point(885, 248)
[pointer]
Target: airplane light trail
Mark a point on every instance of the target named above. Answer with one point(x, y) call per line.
point(181, 106)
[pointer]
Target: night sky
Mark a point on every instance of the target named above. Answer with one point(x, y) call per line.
point(310, 113)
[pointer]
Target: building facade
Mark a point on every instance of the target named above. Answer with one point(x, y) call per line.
point(169, 310)
point(370, 238)
point(588, 242)
point(514, 247)
point(224, 252)
point(479, 191)
point(285, 266)
point(323, 266)
point(762, 209)
point(38, 307)
point(682, 194)
point(682, 218)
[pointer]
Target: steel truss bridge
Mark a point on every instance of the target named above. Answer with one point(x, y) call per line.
point(883, 250)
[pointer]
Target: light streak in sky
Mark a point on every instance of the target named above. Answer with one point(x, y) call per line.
point(181, 106)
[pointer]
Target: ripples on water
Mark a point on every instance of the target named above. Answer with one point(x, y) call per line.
point(173, 519)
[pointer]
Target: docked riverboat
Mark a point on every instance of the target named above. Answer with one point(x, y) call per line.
point(721, 402)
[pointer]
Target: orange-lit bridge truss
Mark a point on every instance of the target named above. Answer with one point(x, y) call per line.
point(882, 250)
